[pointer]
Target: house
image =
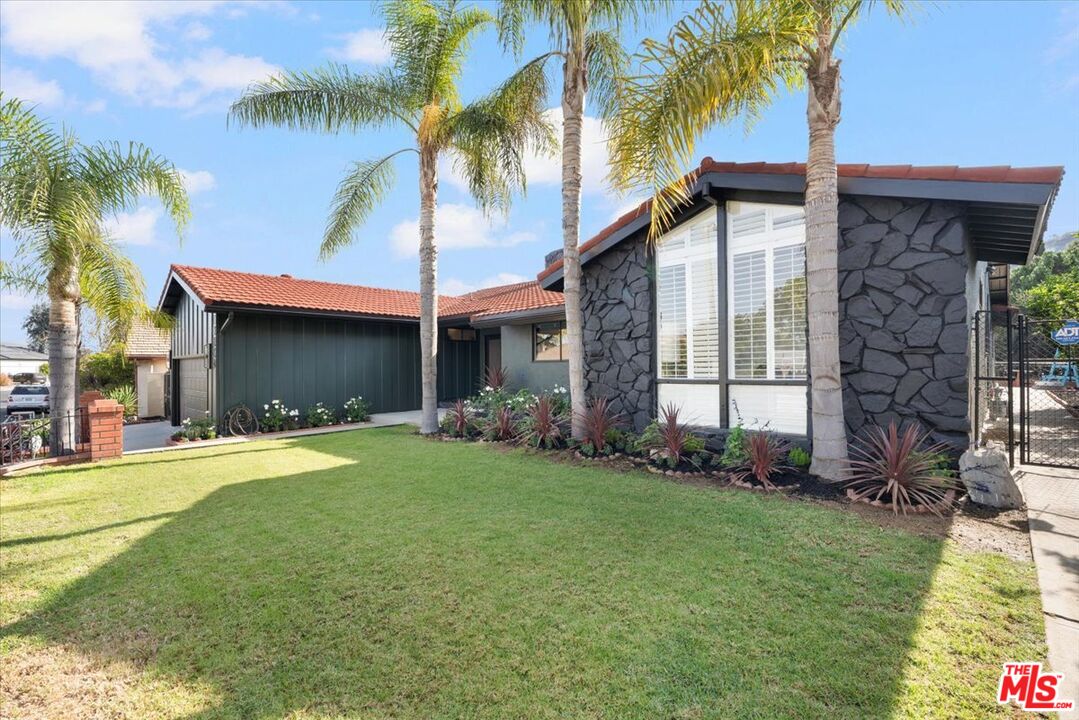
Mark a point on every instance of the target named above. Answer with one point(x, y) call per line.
point(148, 347)
point(15, 359)
point(713, 319)
point(246, 338)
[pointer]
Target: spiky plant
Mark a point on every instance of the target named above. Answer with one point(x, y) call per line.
point(899, 468)
point(540, 426)
point(55, 196)
point(460, 418)
point(597, 422)
point(495, 378)
point(501, 425)
point(766, 457)
point(487, 140)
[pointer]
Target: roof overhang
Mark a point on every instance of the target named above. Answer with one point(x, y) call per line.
point(519, 317)
point(1005, 220)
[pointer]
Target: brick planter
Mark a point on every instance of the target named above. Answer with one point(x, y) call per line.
point(106, 423)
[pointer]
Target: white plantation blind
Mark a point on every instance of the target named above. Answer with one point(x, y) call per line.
point(766, 287)
point(686, 299)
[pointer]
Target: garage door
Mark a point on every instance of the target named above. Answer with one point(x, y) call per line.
point(194, 398)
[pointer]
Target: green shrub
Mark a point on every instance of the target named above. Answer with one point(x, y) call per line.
point(940, 464)
point(734, 449)
point(799, 458)
point(319, 415)
point(357, 410)
point(203, 429)
point(105, 370)
point(126, 396)
point(278, 417)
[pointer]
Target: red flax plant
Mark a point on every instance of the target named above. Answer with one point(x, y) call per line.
point(540, 426)
point(895, 467)
point(766, 456)
point(675, 441)
point(460, 418)
point(495, 378)
point(502, 425)
point(597, 421)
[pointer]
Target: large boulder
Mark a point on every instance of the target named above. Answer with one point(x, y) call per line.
point(988, 479)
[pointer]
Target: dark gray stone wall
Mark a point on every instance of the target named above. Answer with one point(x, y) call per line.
point(616, 298)
point(904, 272)
point(903, 276)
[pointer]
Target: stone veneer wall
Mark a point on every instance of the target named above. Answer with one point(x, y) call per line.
point(617, 301)
point(904, 316)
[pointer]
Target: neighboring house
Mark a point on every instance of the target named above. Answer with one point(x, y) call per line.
point(15, 359)
point(246, 338)
point(148, 347)
point(714, 318)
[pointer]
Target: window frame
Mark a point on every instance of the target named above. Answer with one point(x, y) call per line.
point(561, 341)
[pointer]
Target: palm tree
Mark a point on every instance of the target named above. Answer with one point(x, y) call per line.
point(55, 194)
point(486, 139)
point(726, 60)
point(585, 36)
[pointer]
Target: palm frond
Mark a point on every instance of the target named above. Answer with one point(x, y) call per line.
point(607, 65)
point(116, 179)
point(357, 195)
point(328, 100)
point(490, 137)
point(111, 285)
point(713, 67)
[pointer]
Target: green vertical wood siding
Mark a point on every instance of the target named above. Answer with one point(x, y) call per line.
point(303, 360)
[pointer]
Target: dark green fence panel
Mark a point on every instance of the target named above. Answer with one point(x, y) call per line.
point(304, 360)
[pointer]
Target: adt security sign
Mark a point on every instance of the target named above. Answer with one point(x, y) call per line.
point(1068, 334)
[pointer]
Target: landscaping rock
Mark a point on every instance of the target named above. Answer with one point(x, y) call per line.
point(988, 479)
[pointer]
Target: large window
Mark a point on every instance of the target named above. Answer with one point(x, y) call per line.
point(549, 341)
point(687, 310)
point(686, 299)
point(766, 292)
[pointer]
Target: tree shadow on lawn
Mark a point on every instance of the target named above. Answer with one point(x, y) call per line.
point(472, 583)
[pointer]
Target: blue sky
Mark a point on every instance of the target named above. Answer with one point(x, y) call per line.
point(964, 83)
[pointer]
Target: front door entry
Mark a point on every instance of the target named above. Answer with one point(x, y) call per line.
point(492, 353)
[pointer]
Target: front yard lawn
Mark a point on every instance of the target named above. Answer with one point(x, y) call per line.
point(376, 574)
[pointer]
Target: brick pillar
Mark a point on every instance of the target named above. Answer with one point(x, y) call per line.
point(84, 418)
point(106, 419)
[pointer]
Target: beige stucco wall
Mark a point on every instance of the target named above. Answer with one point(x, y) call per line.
point(150, 385)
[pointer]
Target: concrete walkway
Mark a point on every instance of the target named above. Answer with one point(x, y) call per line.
point(153, 437)
point(1052, 497)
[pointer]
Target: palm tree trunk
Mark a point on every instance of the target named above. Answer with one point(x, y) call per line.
point(822, 240)
point(428, 289)
point(63, 287)
point(574, 86)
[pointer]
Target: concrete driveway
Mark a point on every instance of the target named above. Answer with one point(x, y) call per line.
point(144, 436)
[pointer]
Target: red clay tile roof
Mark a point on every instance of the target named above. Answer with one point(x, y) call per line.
point(145, 340)
point(228, 287)
point(1050, 175)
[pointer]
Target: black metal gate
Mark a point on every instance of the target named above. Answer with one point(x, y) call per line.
point(1049, 391)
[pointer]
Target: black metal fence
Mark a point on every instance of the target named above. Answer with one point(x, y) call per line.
point(29, 436)
point(994, 349)
point(1049, 401)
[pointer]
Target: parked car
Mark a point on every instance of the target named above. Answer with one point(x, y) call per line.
point(33, 398)
point(29, 378)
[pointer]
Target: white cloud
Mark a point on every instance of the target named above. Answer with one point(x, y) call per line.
point(1062, 51)
point(456, 227)
point(95, 106)
point(135, 228)
point(455, 286)
point(197, 181)
point(119, 43)
point(26, 86)
point(366, 46)
point(542, 170)
point(197, 32)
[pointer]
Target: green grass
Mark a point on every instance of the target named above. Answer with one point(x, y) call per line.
point(375, 574)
